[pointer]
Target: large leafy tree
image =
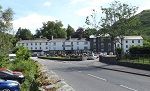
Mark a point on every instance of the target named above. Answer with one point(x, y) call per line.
point(6, 17)
point(52, 28)
point(79, 33)
point(24, 34)
point(89, 31)
point(117, 20)
point(69, 31)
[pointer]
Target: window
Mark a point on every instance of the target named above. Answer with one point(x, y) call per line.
point(139, 41)
point(35, 47)
point(46, 47)
point(118, 45)
point(126, 46)
point(132, 41)
point(35, 43)
point(109, 44)
point(94, 40)
point(31, 43)
point(40, 43)
point(77, 47)
point(46, 43)
point(102, 39)
point(31, 48)
point(54, 43)
point(85, 48)
point(22, 43)
point(102, 50)
point(85, 42)
point(40, 47)
point(27, 44)
point(102, 45)
point(126, 41)
point(77, 43)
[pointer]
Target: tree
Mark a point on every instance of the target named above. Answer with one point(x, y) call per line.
point(79, 33)
point(50, 29)
point(23, 53)
point(6, 17)
point(117, 20)
point(69, 31)
point(24, 34)
point(89, 31)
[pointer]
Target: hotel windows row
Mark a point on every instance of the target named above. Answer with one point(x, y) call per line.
point(133, 41)
point(37, 48)
point(54, 43)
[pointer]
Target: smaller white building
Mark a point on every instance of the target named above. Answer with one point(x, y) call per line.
point(129, 41)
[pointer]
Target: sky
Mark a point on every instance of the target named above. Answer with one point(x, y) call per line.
point(31, 14)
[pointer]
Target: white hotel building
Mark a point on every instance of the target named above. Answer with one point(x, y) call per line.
point(41, 46)
point(129, 41)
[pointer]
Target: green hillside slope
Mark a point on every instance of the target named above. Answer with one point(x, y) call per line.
point(144, 28)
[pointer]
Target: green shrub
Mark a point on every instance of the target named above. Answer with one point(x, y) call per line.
point(23, 53)
point(62, 58)
point(142, 50)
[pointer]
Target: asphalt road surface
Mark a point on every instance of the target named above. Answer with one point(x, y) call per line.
point(82, 76)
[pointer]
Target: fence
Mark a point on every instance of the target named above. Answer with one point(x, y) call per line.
point(136, 58)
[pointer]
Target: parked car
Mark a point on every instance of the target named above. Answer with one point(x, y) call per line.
point(9, 85)
point(7, 74)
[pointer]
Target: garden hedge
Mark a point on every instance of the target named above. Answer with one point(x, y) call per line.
point(62, 59)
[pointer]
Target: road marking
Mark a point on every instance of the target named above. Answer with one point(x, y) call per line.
point(128, 88)
point(79, 71)
point(97, 77)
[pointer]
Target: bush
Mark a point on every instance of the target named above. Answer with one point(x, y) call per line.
point(23, 53)
point(140, 50)
point(61, 58)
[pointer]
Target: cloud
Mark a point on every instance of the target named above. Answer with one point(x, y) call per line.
point(47, 4)
point(32, 21)
point(73, 2)
point(90, 5)
point(87, 11)
point(90, 2)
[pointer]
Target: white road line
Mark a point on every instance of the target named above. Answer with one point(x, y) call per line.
point(79, 71)
point(97, 77)
point(128, 88)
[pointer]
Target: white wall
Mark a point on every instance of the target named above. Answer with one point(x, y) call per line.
point(58, 45)
point(129, 43)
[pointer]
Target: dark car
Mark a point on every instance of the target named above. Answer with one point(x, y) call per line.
point(9, 85)
point(11, 75)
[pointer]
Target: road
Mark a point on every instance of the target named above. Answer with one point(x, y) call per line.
point(83, 76)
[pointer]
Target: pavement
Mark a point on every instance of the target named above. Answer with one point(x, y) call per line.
point(121, 69)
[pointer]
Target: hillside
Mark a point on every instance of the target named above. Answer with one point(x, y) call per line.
point(144, 28)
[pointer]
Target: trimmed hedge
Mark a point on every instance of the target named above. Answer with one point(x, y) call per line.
point(144, 50)
point(62, 58)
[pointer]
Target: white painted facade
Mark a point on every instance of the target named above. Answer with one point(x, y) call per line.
point(129, 41)
point(44, 45)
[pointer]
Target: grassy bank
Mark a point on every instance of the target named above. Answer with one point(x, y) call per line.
point(30, 69)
